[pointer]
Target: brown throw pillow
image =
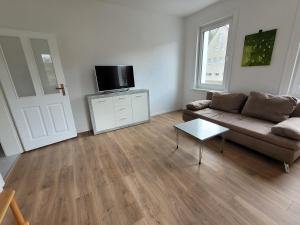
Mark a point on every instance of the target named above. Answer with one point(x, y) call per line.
point(289, 128)
point(198, 105)
point(296, 112)
point(228, 102)
point(269, 107)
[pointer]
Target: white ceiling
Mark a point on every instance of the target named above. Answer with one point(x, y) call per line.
point(170, 7)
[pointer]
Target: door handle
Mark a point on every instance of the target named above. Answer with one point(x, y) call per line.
point(62, 88)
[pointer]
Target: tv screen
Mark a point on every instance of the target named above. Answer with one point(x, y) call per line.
point(114, 77)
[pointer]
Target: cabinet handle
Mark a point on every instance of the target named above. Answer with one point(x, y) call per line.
point(139, 96)
point(123, 119)
point(122, 109)
point(101, 101)
point(121, 98)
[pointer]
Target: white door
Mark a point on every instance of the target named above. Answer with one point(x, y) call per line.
point(30, 73)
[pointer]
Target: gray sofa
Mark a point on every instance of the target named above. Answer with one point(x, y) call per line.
point(251, 132)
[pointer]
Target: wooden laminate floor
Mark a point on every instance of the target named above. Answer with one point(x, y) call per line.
point(135, 176)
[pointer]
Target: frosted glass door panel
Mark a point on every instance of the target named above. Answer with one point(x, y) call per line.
point(14, 56)
point(45, 65)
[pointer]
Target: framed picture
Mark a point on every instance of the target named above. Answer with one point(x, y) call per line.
point(258, 48)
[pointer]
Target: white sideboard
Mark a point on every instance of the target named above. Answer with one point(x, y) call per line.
point(117, 110)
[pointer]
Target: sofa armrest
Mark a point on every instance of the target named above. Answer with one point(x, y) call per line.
point(198, 105)
point(289, 128)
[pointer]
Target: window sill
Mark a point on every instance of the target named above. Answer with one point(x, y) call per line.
point(297, 95)
point(208, 90)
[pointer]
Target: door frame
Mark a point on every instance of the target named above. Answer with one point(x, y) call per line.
point(9, 139)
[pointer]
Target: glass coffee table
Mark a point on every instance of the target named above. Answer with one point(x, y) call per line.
point(202, 131)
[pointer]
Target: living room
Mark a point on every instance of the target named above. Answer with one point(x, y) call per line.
point(204, 131)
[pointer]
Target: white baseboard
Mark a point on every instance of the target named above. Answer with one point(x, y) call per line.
point(165, 111)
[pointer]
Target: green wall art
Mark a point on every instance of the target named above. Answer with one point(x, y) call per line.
point(258, 48)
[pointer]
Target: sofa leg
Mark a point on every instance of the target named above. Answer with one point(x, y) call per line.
point(286, 167)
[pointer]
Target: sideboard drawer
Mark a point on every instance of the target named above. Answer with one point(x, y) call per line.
point(123, 121)
point(123, 115)
point(122, 100)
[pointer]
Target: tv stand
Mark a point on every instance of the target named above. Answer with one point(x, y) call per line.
point(117, 110)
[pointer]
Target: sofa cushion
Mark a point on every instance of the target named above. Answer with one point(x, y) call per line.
point(269, 107)
point(228, 102)
point(256, 128)
point(296, 112)
point(289, 128)
point(197, 105)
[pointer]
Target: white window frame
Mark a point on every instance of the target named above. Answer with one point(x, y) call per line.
point(199, 56)
point(291, 73)
point(294, 83)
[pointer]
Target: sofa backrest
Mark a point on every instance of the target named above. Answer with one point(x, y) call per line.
point(210, 94)
point(269, 107)
point(296, 112)
point(228, 102)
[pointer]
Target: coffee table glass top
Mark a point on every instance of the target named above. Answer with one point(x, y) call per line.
point(201, 129)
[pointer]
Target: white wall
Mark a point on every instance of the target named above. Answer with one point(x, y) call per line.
point(251, 16)
point(90, 32)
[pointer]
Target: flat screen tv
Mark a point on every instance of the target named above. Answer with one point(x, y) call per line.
point(114, 77)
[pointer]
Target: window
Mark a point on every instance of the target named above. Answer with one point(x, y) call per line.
point(212, 65)
point(294, 86)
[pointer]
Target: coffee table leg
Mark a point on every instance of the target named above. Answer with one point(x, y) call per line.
point(177, 138)
point(222, 144)
point(200, 152)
